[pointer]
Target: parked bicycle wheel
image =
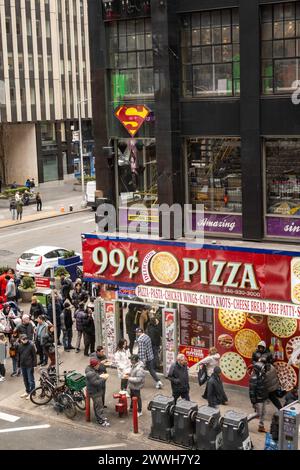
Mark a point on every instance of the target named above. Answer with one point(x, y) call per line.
point(41, 396)
point(68, 405)
point(79, 399)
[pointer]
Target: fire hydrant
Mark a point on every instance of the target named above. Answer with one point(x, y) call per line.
point(121, 406)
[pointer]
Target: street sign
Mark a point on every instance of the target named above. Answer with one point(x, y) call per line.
point(75, 136)
point(42, 282)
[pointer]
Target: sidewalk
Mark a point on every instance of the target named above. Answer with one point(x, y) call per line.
point(56, 202)
point(121, 428)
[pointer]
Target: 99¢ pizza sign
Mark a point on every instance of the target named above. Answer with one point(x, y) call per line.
point(188, 267)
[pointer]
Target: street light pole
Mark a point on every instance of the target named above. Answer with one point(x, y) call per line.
point(54, 325)
point(83, 203)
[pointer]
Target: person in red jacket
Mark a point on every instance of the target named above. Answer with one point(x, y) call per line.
point(3, 282)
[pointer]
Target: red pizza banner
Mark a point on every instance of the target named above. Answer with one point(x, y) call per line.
point(193, 355)
point(132, 117)
point(245, 274)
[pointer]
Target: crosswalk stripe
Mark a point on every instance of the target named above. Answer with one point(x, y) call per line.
point(25, 428)
point(9, 418)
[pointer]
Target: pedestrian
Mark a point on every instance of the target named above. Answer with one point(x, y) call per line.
point(142, 317)
point(67, 326)
point(36, 309)
point(26, 198)
point(262, 351)
point(49, 347)
point(18, 196)
point(215, 391)
point(95, 383)
point(19, 209)
point(14, 185)
point(136, 381)
point(179, 378)
point(146, 355)
point(27, 184)
point(272, 383)
point(27, 363)
point(10, 292)
point(210, 362)
point(25, 327)
point(99, 354)
point(66, 287)
point(13, 208)
point(130, 326)
point(258, 393)
point(122, 360)
point(58, 310)
point(3, 356)
point(13, 353)
point(79, 295)
point(38, 200)
point(89, 332)
point(79, 316)
point(154, 333)
point(40, 333)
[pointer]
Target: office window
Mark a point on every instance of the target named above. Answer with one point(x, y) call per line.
point(8, 25)
point(210, 53)
point(10, 60)
point(32, 95)
point(30, 62)
point(280, 47)
point(130, 58)
point(49, 61)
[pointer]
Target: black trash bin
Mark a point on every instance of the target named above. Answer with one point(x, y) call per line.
point(161, 408)
point(208, 434)
point(184, 423)
point(235, 431)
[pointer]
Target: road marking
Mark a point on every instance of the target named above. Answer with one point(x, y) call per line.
point(25, 428)
point(9, 418)
point(110, 446)
point(54, 225)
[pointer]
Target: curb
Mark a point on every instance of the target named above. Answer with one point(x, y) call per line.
point(129, 436)
point(44, 218)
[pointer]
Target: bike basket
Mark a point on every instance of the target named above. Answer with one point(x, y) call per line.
point(75, 381)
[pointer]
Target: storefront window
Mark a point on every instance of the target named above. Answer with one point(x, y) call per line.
point(214, 174)
point(130, 58)
point(280, 47)
point(283, 176)
point(137, 172)
point(210, 53)
point(50, 168)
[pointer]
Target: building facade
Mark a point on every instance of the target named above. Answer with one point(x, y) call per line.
point(201, 104)
point(44, 73)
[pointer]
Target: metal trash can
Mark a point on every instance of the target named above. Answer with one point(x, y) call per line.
point(161, 408)
point(184, 423)
point(208, 434)
point(235, 431)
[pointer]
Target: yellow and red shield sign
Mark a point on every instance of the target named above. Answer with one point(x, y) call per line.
point(132, 117)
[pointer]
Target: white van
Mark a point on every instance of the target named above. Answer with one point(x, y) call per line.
point(90, 194)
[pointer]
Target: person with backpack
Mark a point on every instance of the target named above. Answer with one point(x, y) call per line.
point(258, 393)
point(179, 378)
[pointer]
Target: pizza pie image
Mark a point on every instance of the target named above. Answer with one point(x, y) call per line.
point(282, 327)
point(296, 269)
point(296, 293)
point(255, 319)
point(225, 341)
point(246, 342)
point(286, 375)
point(164, 268)
point(292, 350)
point(233, 366)
point(232, 321)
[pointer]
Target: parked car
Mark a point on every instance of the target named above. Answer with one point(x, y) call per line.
point(39, 261)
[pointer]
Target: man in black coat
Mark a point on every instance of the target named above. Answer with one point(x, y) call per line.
point(262, 352)
point(258, 393)
point(66, 287)
point(27, 362)
point(179, 378)
point(154, 333)
point(215, 391)
point(25, 327)
point(66, 322)
point(58, 310)
point(95, 383)
point(89, 332)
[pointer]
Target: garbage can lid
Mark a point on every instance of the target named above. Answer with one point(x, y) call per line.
point(234, 417)
point(185, 407)
point(206, 412)
point(161, 402)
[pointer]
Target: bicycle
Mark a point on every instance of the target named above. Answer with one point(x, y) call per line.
point(49, 390)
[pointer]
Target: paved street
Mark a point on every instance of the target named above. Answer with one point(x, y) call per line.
point(63, 231)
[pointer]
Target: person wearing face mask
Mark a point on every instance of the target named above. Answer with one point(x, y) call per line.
point(27, 362)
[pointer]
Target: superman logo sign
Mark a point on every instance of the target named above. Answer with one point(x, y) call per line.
point(132, 117)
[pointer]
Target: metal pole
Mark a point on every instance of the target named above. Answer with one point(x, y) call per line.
point(81, 153)
point(55, 325)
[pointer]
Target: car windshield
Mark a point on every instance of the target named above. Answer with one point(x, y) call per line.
point(29, 256)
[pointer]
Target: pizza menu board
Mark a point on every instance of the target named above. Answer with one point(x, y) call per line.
point(237, 335)
point(110, 329)
point(196, 326)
